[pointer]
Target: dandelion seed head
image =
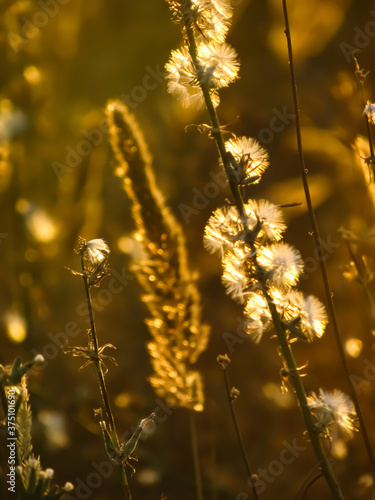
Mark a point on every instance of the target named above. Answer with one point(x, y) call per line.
point(282, 264)
point(257, 316)
point(251, 157)
point(333, 408)
point(369, 111)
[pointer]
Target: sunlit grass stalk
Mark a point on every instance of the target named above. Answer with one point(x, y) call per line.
point(95, 358)
point(280, 329)
point(161, 266)
point(318, 244)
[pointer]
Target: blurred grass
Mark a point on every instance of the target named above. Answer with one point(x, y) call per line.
point(55, 88)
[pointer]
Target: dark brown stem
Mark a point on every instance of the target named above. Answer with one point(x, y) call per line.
point(318, 245)
point(239, 436)
point(102, 384)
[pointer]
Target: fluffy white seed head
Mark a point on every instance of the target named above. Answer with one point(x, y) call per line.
point(282, 264)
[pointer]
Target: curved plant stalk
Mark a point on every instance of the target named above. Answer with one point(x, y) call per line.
point(319, 248)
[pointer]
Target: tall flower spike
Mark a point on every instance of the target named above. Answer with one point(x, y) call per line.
point(282, 264)
point(331, 408)
point(169, 286)
point(251, 158)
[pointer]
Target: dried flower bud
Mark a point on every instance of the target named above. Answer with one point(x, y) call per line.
point(223, 360)
point(49, 473)
point(39, 359)
point(68, 487)
point(234, 393)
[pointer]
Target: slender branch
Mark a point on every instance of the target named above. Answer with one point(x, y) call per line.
point(289, 359)
point(361, 77)
point(102, 384)
point(94, 337)
point(319, 248)
point(194, 442)
point(239, 436)
point(363, 281)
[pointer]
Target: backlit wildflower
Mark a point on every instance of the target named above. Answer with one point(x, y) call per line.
point(311, 312)
point(333, 408)
point(252, 159)
point(257, 316)
point(270, 216)
point(183, 80)
point(235, 277)
point(282, 264)
point(210, 19)
point(221, 230)
point(216, 67)
point(218, 64)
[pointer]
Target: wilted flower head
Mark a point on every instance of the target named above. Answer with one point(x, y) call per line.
point(282, 264)
point(310, 311)
point(252, 159)
point(95, 256)
point(97, 250)
point(333, 408)
point(369, 111)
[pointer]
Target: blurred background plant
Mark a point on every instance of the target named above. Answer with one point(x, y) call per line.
point(56, 182)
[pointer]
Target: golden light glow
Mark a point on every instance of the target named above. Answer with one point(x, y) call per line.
point(353, 347)
point(16, 326)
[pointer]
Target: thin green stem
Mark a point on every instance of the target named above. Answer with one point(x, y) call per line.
point(319, 248)
point(194, 445)
point(287, 353)
point(239, 436)
point(101, 379)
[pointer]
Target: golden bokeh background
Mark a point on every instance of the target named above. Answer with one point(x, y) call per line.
point(60, 64)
